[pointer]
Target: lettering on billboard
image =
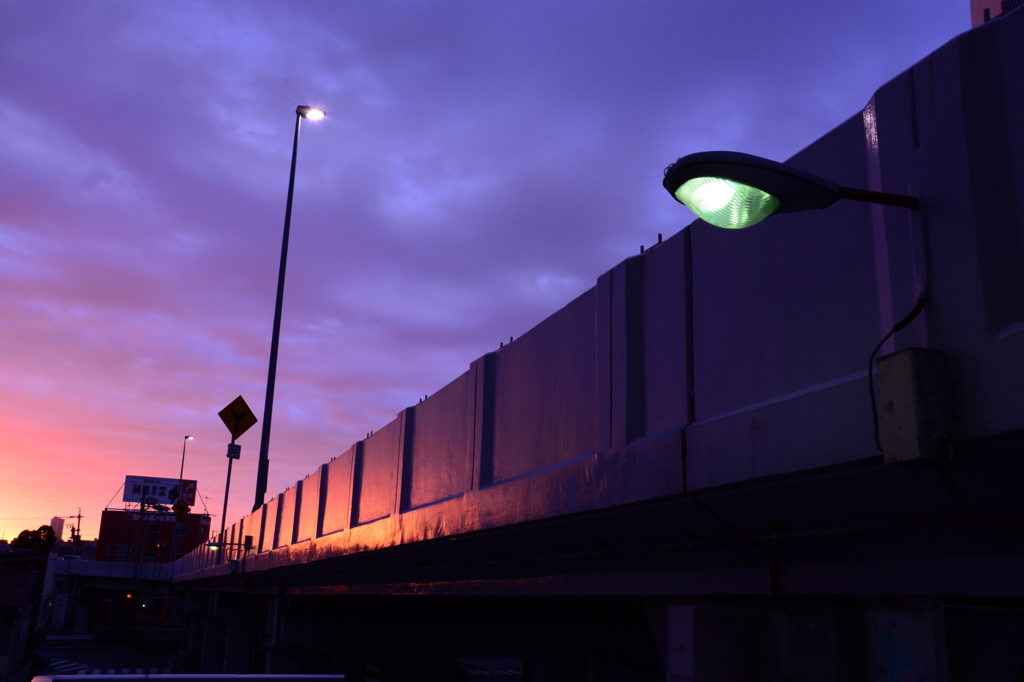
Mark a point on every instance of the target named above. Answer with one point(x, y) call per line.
point(158, 490)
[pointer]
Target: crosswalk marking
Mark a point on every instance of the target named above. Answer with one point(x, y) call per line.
point(67, 667)
point(61, 667)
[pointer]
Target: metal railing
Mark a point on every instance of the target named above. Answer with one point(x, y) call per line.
point(203, 557)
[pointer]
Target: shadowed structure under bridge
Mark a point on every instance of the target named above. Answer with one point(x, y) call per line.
point(676, 474)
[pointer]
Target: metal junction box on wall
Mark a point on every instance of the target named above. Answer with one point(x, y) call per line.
point(913, 405)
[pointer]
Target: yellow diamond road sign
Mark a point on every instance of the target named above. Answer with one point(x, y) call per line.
point(181, 509)
point(237, 417)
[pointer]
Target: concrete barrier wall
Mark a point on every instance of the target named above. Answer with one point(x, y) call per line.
point(285, 531)
point(270, 521)
point(309, 507)
point(545, 402)
point(254, 526)
point(966, 157)
point(375, 475)
point(665, 337)
point(337, 493)
point(437, 460)
point(720, 356)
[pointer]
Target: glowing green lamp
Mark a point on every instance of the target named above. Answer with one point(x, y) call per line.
point(726, 203)
point(734, 190)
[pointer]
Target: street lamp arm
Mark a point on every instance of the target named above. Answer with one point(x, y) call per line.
point(872, 197)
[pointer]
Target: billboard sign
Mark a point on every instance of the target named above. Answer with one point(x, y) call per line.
point(158, 490)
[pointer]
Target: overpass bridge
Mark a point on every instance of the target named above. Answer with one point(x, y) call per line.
point(690, 443)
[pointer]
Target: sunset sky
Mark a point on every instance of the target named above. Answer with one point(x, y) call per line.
point(482, 163)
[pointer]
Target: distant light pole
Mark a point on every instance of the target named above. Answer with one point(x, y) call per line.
point(313, 114)
point(181, 472)
point(181, 496)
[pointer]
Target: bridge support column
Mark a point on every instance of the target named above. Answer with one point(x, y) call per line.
point(277, 612)
point(907, 641)
point(233, 634)
point(672, 629)
point(212, 632)
point(679, 642)
point(804, 640)
point(243, 615)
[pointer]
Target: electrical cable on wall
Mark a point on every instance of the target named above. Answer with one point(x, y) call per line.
point(941, 469)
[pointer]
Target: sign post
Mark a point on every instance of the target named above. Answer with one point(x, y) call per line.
point(238, 418)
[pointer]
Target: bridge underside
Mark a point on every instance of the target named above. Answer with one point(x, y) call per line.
point(858, 529)
point(677, 584)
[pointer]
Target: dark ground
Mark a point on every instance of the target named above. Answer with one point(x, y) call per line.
point(132, 655)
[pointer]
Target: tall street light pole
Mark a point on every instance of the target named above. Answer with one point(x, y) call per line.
point(313, 114)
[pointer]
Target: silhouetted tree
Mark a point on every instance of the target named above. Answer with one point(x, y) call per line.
point(41, 539)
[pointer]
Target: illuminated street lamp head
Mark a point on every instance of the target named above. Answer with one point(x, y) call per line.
point(312, 113)
point(734, 190)
point(189, 437)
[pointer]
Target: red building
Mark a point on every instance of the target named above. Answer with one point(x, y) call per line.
point(131, 535)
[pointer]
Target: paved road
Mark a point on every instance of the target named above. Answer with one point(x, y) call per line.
point(65, 667)
point(120, 659)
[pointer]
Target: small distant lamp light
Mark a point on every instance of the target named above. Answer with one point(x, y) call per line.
point(734, 190)
point(214, 546)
